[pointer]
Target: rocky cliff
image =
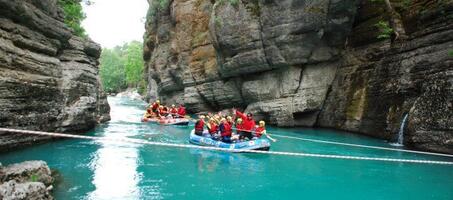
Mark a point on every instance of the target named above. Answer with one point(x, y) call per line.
point(30, 180)
point(49, 77)
point(308, 63)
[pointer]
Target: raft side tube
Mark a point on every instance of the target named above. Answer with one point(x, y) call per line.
point(258, 144)
point(150, 120)
point(177, 121)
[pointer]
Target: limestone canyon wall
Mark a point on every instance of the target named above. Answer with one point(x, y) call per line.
point(307, 63)
point(49, 77)
point(378, 83)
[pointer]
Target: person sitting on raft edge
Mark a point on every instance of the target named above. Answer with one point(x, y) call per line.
point(226, 131)
point(199, 125)
point(148, 114)
point(164, 112)
point(248, 124)
point(181, 111)
point(213, 128)
point(230, 121)
point(261, 130)
point(155, 106)
point(239, 128)
point(174, 111)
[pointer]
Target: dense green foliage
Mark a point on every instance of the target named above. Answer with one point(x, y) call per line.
point(122, 67)
point(134, 63)
point(163, 3)
point(385, 31)
point(74, 14)
point(112, 70)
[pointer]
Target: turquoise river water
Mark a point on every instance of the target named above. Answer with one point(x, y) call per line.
point(109, 170)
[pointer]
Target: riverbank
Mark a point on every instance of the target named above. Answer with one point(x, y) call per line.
point(31, 180)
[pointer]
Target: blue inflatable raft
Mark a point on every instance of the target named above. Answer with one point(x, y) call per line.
point(258, 144)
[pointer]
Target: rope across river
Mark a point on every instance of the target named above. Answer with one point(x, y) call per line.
point(189, 146)
point(365, 146)
point(357, 145)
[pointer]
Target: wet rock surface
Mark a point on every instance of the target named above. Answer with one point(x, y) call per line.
point(378, 82)
point(308, 63)
point(28, 180)
point(49, 77)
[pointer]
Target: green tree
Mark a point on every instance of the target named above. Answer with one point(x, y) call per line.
point(112, 71)
point(134, 63)
point(122, 67)
point(384, 29)
point(74, 14)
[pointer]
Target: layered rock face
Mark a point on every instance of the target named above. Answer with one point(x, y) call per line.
point(306, 63)
point(378, 83)
point(213, 55)
point(49, 77)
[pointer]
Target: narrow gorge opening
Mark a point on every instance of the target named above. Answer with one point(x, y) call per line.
point(118, 26)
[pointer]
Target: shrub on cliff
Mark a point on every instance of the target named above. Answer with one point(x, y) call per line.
point(74, 14)
point(385, 31)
